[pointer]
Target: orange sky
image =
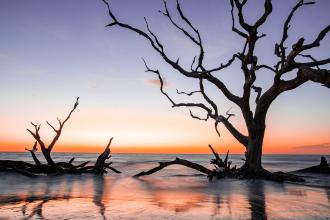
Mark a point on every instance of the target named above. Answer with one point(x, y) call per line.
point(137, 132)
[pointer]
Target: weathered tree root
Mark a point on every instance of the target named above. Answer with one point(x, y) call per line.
point(323, 167)
point(56, 168)
point(267, 175)
point(222, 169)
point(32, 170)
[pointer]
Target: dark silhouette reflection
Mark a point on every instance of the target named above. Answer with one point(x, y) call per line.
point(221, 198)
point(217, 204)
point(31, 195)
point(101, 192)
point(229, 198)
point(89, 196)
point(49, 193)
point(256, 199)
point(98, 186)
point(37, 192)
point(219, 193)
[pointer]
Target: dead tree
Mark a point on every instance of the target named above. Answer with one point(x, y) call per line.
point(28, 169)
point(247, 59)
point(47, 150)
point(222, 168)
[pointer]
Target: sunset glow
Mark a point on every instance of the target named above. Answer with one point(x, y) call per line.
point(50, 56)
point(140, 133)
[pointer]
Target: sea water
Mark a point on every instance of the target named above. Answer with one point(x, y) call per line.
point(173, 193)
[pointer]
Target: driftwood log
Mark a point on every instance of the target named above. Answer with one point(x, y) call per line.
point(177, 161)
point(56, 168)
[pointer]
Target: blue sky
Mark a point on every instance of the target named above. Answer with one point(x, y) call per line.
point(53, 51)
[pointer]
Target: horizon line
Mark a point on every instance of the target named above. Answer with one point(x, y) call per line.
point(76, 152)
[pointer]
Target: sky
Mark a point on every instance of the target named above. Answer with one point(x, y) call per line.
point(53, 51)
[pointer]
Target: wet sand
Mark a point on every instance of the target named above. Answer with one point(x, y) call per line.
point(172, 197)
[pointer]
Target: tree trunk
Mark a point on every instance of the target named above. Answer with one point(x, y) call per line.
point(254, 150)
point(48, 158)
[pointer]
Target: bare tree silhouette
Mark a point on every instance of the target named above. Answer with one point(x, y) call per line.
point(249, 64)
point(100, 167)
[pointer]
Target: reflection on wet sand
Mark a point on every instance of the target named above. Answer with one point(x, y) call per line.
point(177, 200)
point(256, 199)
point(38, 194)
point(100, 191)
point(51, 190)
point(98, 194)
point(70, 197)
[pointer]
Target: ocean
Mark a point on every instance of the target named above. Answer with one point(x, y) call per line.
point(173, 193)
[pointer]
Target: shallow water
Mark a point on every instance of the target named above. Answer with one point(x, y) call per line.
point(174, 193)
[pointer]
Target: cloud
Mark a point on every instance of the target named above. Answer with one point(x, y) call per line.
point(156, 82)
point(322, 146)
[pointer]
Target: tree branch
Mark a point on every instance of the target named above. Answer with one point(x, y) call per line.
point(167, 14)
point(158, 47)
point(265, 67)
point(197, 117)
point(268, 10)
point(47, 150)
point(258, 91)
point(59, 131)
point(187, 93)
point(199, 105)
point(317, 41)
point(177, 161)
point(52, 126)
point(214, 106)
point(36, 136)
point(233, 22)
point(305, 74)
point(310, 57)
point(34, 149)
point(241, 19)
point(280, 49)
point(315, 63)
point(225, 120)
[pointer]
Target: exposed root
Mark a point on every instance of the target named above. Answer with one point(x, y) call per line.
point(281, 177)
point(267, 175)
point(222, 169)
point(323, 167)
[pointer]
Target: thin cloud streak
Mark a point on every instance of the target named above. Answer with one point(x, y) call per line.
point(156, 82)
point(322, 146)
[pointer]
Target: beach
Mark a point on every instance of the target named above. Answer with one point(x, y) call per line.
point(174, 193)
